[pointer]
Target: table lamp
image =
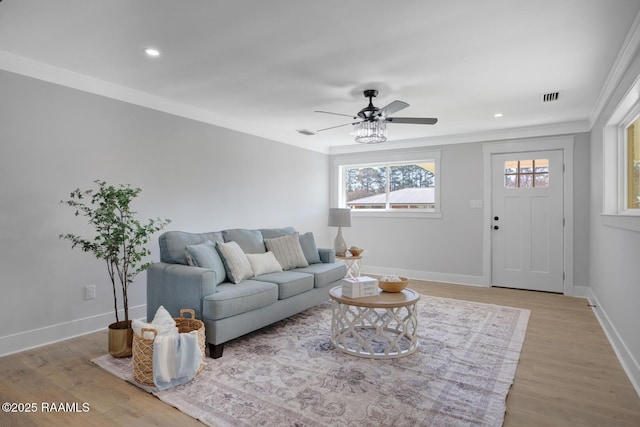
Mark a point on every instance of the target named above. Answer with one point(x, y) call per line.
point(340, 217)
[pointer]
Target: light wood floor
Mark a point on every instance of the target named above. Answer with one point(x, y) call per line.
point(568, 374)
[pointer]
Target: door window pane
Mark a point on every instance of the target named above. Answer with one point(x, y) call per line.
point(510, 181)
point(511, 167)
point(542, 165)
point(526, 181)
point(526, 166)
point(542, 180)
point(526, 173)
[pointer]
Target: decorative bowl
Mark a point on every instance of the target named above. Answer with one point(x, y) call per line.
point(393, 286)
point(354, 251)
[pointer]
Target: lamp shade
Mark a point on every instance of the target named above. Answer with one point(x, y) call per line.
point(339, 217)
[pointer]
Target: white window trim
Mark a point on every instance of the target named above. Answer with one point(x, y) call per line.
point(392, 157)
point(614, 169)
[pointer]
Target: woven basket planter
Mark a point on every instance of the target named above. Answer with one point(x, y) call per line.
point(143, 347)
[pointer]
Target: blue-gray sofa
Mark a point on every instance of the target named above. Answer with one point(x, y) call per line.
point(198, 271)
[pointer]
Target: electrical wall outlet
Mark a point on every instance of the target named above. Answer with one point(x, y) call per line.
point(89, 292)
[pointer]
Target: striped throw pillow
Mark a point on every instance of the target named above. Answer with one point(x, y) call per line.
point(288, 251)
point(235, 261)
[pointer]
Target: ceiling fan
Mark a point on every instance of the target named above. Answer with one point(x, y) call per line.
point(372, 127)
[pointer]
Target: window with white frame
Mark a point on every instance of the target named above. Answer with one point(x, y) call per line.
point(632, 166)
point(401, 186)
point(621, 164)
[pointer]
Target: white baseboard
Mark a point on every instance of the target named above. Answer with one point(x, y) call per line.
point(456, 279)
point(27, 340)
point(628, 362)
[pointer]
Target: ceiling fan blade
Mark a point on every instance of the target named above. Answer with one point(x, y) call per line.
point(336, 114)
point(391, 108)
point(339, 126)
point(412, 120)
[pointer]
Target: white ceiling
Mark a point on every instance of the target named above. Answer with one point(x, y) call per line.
point(263, 67)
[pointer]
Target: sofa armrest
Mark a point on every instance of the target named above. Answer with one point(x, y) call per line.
point(177, 286)
point(327, 255)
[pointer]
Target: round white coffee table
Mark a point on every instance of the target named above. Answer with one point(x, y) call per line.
point(384, 326)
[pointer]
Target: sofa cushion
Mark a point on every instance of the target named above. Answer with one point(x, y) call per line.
point(272, 233)
point(230, 300)
point(288, 251)
point(250, 241)
point(235, 262)
point(172, 244)
point(264, 263)
point(324, 274)
point(309, 248)
point(289, 283)
point(205, 255)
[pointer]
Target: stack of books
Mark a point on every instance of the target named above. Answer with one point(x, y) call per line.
point(358, 287)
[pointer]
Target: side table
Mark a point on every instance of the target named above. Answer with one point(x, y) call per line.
point(353, 264)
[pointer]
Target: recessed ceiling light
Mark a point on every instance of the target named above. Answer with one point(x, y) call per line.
point(152, 52)
point(497, 115)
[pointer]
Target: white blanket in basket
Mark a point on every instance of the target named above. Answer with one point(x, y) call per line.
point(176, 359)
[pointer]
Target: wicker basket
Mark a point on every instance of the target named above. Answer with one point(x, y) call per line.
point(143, 347)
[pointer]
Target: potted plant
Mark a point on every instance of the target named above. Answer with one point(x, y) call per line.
point(121, 240)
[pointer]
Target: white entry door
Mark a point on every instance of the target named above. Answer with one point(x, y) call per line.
point(528, 220)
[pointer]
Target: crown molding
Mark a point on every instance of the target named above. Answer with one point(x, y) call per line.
point(49, 73)
point(625, 57)
point(64, 77)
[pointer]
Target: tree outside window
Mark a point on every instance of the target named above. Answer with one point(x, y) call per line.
point(391, 186)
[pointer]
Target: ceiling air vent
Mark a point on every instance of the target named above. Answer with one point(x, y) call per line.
point(550, 97)
point(306, 132)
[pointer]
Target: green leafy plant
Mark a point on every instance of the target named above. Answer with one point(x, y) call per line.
point(120, 238)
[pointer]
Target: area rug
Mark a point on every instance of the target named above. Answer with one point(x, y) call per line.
point(288, 374)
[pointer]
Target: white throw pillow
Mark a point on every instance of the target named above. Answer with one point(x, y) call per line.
point(264, 263)
point(288, 251)
point(164, 322)
point(235, 261)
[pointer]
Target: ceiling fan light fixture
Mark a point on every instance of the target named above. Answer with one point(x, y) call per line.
point(370, 132)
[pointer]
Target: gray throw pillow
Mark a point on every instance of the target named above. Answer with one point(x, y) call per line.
point(235, 262)
point(309, 248)
point(205, 255)
point(250, 241)
point(272, 233)
point(288, 251)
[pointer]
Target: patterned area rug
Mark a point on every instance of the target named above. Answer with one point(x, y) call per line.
point(289, 375)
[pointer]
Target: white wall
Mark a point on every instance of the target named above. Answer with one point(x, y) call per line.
point(204, 178)
point(615, 253)
point(447, 249)
point(450, 248)
point(581, 197)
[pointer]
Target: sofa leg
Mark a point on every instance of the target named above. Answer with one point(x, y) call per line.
point(215, 350)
